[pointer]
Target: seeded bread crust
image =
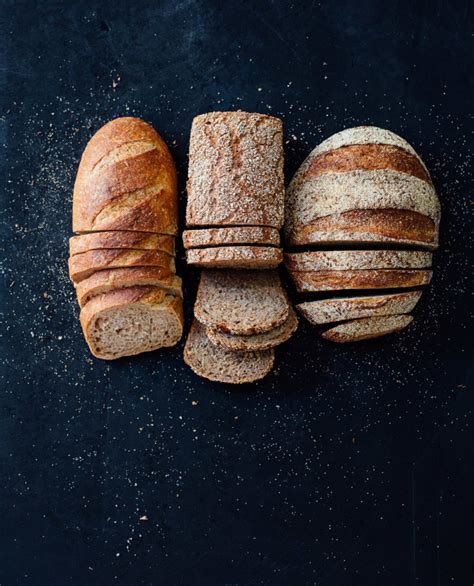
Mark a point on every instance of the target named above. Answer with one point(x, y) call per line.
point(83, 265)
point(241, 302)
point(236, 170)
point(311, 281)
point(235, 257)
point(126, 181)
point(206, 237)
point(357, 260)
point(367, 328)
point(225, 366)
point(264, 341)
point(109, 280)
point(135, 240)
point(326, 311)
point(152, 303)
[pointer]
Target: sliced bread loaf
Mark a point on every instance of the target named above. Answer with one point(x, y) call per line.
point(241, 302)
point(264, 341)
point(342, 260)
point(130, 321)
point(84, 264)
point(225, 366)
point(235, 257)
point(367, 328)
point(235, 170)
point(206, 237)
point(308, 281)
point(325, 311)
point(111, 279)
point(135, 240)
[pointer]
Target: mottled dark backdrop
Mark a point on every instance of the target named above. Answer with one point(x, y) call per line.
point(347, 466)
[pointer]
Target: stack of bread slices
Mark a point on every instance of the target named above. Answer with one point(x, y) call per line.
point(235, 209)
point(122, 260)
point(361, 214)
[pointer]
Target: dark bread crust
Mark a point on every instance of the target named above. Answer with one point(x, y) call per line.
point(366, 157)
point(126, 181)
point(83, 265)
point(136, 240)
point(383, 225)
point(364, 279)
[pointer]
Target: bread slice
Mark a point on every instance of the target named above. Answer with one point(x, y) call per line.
point(235, 257)
point(111, 279)
point(225, 366)
point(84, 264)
point(126, 181)
point(236, 170)
point(206, 237)
point(135, 240)
point(342, 260)
point(264, 341)
point(326, 311)
point(367, 328)
point(131, 321)
point(309, 281)
point(241, 302)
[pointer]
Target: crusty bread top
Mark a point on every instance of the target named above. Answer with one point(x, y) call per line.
point(357, 260)
point(126, 181)
point(204, 237)
point(367, 328)
point(240, 301)
point(235, 170)
point(118, 239)
point(225, 366)
point(237, 257)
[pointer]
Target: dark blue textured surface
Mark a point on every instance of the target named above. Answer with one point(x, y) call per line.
point(347, 466)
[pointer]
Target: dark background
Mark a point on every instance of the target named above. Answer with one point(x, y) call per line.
point(347, 465)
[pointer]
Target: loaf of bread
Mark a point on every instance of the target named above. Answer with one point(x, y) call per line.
point(235, 171)
point(130, 321)
point(135, 240)
point(362, 185)
point(126, 181)
point(239, 235)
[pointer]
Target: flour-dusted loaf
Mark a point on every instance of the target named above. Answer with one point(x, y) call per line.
point(270, 339)
point(226, 366)
point(235, 257)
point(362, 185)
point(357, 260)
point(235, 170)
point(207, 237)
point(324, 311)
point(131, 321)
point(241, 302)
point(111, 279)
point(126, 181)
point(84, 264)
point(367, 328)
point(310, 281)
point(118, 239)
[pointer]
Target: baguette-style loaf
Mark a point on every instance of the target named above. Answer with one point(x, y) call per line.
point(342, 260)
point(367, 328)
point(324, 311)
point(235, 170)
point(221, 365)
point(126, 181)
point(131, 321)
point(367, 184)
point(207, 237)
point(136, 240)
point(310, 281)
point(235, 257)
point(83, 265)
point(109, 280)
